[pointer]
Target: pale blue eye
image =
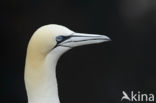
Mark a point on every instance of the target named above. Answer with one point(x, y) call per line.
point(59, 38)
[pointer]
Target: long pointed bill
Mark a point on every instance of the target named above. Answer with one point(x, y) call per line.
point(78, 39)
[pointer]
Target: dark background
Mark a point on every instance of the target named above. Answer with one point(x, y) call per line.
point(87, 74)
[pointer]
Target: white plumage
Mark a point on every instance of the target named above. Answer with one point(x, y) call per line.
point(45, 47)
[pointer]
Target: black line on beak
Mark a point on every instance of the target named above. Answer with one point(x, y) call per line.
point(64, 38)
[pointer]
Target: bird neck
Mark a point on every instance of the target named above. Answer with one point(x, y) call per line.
point(40, 78)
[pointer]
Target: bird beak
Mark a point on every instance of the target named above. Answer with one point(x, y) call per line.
point(78, 39)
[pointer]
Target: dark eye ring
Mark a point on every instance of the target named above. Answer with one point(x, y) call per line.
point(59, 38)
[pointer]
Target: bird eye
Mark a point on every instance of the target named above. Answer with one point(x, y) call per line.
point(59, 38)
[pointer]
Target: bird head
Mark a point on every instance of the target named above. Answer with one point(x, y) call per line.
point(60, 39)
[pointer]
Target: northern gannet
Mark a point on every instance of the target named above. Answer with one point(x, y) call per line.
point(45, 47)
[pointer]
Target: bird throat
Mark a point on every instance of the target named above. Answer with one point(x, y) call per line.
point(40, 80)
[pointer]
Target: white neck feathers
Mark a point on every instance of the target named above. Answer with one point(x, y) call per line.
point(40, 77)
